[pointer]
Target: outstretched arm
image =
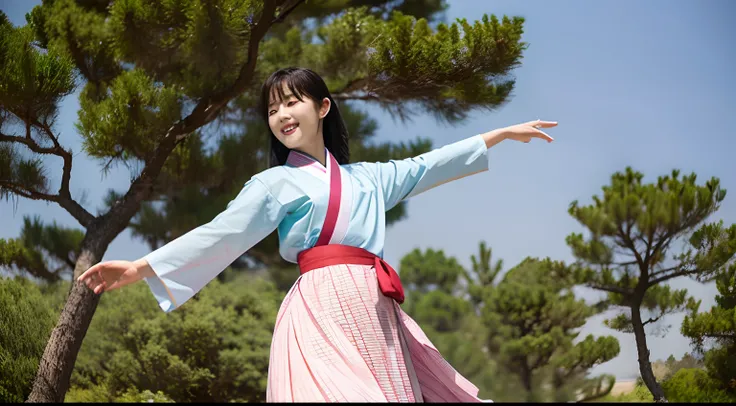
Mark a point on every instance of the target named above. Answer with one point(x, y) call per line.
point(401, 179)
point(179, 269)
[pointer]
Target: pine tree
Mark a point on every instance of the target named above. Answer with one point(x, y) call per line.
point(44, 252)
point(533, 316)
point(483, 274)
point(632, 230)
point(159, 75)
point(717, 326)
point(436, 298)
point(500, 334)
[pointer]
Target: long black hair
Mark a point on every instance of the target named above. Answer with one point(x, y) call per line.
point(302, 83)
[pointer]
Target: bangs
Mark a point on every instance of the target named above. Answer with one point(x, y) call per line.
point(298, 83)
point(276, 93)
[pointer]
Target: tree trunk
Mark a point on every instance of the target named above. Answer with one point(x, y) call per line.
point(645, 367)
point(525, 373)
point(57, 363)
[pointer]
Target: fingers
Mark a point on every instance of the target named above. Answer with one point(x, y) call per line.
point(543, 135)
point(100, 288)
point(93, 278)
point(543, 124)
point(86, 275)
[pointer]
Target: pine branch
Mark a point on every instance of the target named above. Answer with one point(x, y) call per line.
point(208, 108)
point(652, 320)
point(32, 145)
point(662, 244)
point(63, 198)
point(353, 96)
point(65, 155)
point(628, 243)
point(611, 288)
point(664, 271)
point(287, 10)
point(79, 57)
point(682, 272)
point(598, 394)
point(27, 192)
point(668, 236)
point(352, 86)
point(720, 335)
point(205, 112)
point(84, 217)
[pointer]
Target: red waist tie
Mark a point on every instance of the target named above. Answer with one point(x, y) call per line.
point(335, 254)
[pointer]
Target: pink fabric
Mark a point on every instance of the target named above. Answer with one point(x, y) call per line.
point(339, 339)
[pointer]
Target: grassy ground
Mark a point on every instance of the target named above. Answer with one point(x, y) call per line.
point(628, 391)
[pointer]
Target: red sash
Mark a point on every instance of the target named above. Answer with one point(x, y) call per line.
point(335, 254)
point(325, 254)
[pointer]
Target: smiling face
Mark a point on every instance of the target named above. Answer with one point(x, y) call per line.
point(296, 120)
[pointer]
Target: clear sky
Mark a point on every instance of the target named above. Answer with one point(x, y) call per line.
point(641, 84)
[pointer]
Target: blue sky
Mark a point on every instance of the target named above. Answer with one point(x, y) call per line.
point(642, 84)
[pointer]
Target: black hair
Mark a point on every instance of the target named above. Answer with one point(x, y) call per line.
point(302, 83)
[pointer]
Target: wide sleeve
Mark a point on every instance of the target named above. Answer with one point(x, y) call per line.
point(185, 265)
point(401, 179)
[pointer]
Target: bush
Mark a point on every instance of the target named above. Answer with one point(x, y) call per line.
point(693, 385)
point(215, 348)
point(28, 314)
point(100, 393)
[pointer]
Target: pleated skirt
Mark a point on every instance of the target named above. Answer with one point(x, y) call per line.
point(339, 339)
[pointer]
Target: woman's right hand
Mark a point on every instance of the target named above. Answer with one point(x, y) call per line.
point(526, 131)
point(109, 275)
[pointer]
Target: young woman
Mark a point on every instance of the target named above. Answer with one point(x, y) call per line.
point(340, 333)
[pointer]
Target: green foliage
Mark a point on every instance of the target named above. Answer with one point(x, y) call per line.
point(196, 46)
point(129, 122)
point(658, 299)
point(450, 72)
point(45, 252)
point(430, 270)
point(483, 275)
point(534, 315)
point(15, 169)
point(31, 82)
point(431, 10)
point(719, 323)
point(493, 333)
point(694, 385)
point(672, 365)
point(408, 49)
point(27, 315)
point(214, 349)
point(631, 232)
point(717, 326)
point(100, 393)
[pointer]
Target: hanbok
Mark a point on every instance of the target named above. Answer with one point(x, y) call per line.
point(340, 334)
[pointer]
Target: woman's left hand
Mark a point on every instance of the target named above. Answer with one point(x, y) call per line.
point(526, 131)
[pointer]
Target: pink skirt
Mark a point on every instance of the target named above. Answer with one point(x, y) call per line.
point(339, 339)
